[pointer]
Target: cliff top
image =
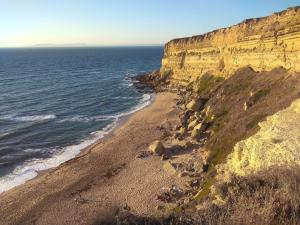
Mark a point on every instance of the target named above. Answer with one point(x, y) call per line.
point(247, 22)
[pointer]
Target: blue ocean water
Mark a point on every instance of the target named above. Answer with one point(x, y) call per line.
point(56, 101)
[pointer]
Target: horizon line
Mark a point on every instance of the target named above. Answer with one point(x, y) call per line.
point(80, 46)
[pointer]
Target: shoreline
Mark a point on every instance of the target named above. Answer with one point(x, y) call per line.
point(102, 177)
point(106, 134)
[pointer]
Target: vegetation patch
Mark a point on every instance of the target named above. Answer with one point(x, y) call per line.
point(232, 123)
point(206, 83)
point(259, 94)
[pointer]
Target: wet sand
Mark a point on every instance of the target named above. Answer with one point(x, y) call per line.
point(106, 176)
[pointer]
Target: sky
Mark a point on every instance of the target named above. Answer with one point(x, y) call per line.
point(25, 23)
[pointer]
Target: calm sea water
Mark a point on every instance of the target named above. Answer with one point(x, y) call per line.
point(55, 102)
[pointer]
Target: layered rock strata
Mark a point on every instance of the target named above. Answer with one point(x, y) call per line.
point(261, 43)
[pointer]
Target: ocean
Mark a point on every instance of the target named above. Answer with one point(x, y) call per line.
point(56, 101)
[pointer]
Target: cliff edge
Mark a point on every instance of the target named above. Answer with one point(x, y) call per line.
point(262, 43)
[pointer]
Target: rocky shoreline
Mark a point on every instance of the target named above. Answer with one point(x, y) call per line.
point(201, 113)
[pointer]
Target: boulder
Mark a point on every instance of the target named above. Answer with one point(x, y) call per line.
point(157, 147)
point(198, 129)
point(182, 130)
point(169, 168)
point(198, 116)
point(195, 105)
point(195, 133)
point(164, 157)
point(192, 118)
point(192, 124)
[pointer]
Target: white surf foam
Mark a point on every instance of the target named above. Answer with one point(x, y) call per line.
point(86, 119)
point(145, 100)
point(28, 118)
point(29, 169)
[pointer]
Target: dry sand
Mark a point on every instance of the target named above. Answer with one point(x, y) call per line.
point(106, 176)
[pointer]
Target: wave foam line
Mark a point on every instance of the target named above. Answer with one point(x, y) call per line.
point(28, 118)
point(29, 169)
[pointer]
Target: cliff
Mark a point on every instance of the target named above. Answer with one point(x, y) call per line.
point(261, 43)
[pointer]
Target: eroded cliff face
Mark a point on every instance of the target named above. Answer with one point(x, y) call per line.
point(275, 144)
point(262, 43)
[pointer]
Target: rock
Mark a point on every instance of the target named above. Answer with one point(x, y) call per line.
point(182, 130)
point(164, 157)
point(169, 168)
point(194, 183)
point(182, 174)
point(198, 166)
point(195, 105)
point(159, 207)
point(157, 147)
point(198, 129)
point(175, 191)
point(184, 118)
point(195, 133)
point(182, 107)
point(164, 197)
point(198, 116)
point(177, 127)
point(186, 201)
point(192, 118)
point(245, 106)
point(187, 145)
point(143, 154)
point(192, 124)
point(199, 126)
point(254, 29)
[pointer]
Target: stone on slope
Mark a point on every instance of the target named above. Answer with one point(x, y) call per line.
point(157, 147)
point(192, 124)
point(195, 105)
point(198, 129)
point(169, 168)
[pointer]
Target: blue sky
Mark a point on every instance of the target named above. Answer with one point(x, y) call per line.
point(122, 22)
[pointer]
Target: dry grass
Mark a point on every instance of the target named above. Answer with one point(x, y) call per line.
point(272, 91)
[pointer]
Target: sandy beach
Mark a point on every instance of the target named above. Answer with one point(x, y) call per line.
point(105, 177)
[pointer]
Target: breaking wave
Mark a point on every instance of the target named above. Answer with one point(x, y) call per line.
point(29, 169)
point(28, 118)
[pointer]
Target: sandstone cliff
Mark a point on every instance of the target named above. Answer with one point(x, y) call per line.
point(275, 144)
point(262, 43)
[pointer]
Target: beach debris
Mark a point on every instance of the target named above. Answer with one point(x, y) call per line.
point(195, 105)
point(143, 154)
point(169, 168)
point(157, 147)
